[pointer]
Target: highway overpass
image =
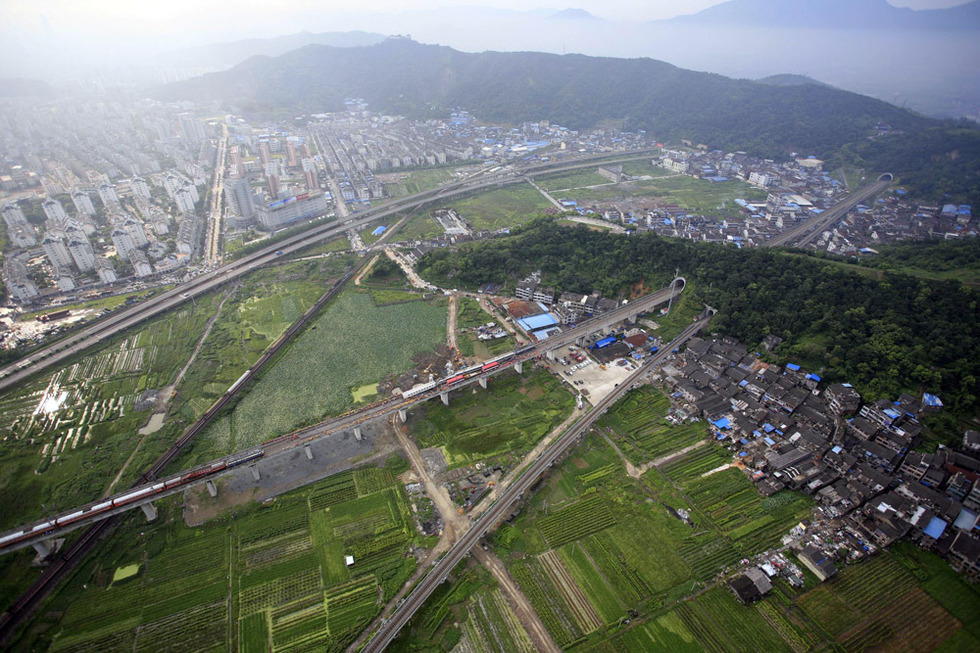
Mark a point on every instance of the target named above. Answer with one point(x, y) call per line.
point(805, 232)
point(91, 335)
point(502, 507)
point(37, 533)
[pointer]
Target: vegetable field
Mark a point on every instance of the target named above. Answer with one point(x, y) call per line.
point(274, 578)
point(637, 423)
point(355, 343)
point(508, 418)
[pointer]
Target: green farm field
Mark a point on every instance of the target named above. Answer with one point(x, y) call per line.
point(354, 343)
point(472, 316)
point(505, 420)
point(696, 195)
point(268, 578)
point(505, 207)
point(638, 426)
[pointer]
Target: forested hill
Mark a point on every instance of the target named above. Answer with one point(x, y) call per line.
point(899, 334)
point(409, 78)
point(403, 77)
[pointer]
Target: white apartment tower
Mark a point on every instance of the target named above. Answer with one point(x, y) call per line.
point(105, 271)
point(140, 188)
point(108, 195)
point(55, 212)
point(81, 252)
point(239, 197)
point(124, 243)
point(136, 232)
point(54, 248)
point(13, 216)
point(83, 203)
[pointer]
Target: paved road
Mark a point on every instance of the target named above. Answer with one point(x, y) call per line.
point(805, 233)
point(502, 507)
point(123, 319)
point(379, 410)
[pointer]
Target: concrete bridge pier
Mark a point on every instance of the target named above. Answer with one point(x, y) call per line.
point(357, 433)
point(580, 341)
point(445, 397)
point(550, 354)
point(483, 382)
point(519, 366)
point(403, 415)
point(150, 511)
point(44, 548)
point(212, 490)
point(631, 319)
point(309, 452)
point(255, 473)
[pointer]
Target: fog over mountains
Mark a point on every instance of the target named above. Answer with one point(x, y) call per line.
point(924, 60)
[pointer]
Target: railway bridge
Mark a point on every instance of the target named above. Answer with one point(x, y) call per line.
point(41, 534)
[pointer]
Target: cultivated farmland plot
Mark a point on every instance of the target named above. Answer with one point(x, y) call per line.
point(275, 576)
point(355, 343)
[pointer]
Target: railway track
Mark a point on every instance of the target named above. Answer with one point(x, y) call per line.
point(501, 508)
point(94, 334)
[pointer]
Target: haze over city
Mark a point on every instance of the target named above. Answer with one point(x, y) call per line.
point(490, 328)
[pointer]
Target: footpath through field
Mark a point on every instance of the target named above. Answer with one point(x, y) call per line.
point(455, 525)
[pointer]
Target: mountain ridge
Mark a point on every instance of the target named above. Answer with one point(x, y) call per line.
point(832, 14)
point(402, 76)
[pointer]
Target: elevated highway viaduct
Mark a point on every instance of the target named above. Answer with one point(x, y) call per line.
point(805, 233)
point(502, 507)
point(37, 534)
point(93, 334)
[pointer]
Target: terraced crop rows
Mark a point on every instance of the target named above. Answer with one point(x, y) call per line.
point(584, 613)
point(584, 517)
point(546, 601)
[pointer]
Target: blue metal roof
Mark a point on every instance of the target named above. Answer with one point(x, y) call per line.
point(536, 322)
point(935, 528)
point(966, 520)
point(793, 366)
point(932, 400)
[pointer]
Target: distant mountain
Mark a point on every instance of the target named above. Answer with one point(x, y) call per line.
point(222, 55)
point(788, 79)
point(405, 77)
point(574, 14)
point(833, 14)
point(16, 87)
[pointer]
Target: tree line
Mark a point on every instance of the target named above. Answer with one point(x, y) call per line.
point(900, 334)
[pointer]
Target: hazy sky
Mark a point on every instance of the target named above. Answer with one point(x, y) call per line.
point(189, 21)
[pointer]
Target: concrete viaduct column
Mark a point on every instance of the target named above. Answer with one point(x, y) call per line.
point(483, 382)
point(445, 397)
point(550, 354)
point(43, 548)
point(212, 490)
point(519, 366)
point(150, 511)
point(403, 415)
point(357, 433)
point(255, 473)
point(309, 452)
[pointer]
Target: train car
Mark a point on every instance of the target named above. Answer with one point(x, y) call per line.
point(68, 519)
point(239, 382)
point(99, 507)
point(46, 526)
point(132, 496)
point(10, 539)
point(244, 457)
point(456, 379)
point(490, 366)
point(417, 390)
